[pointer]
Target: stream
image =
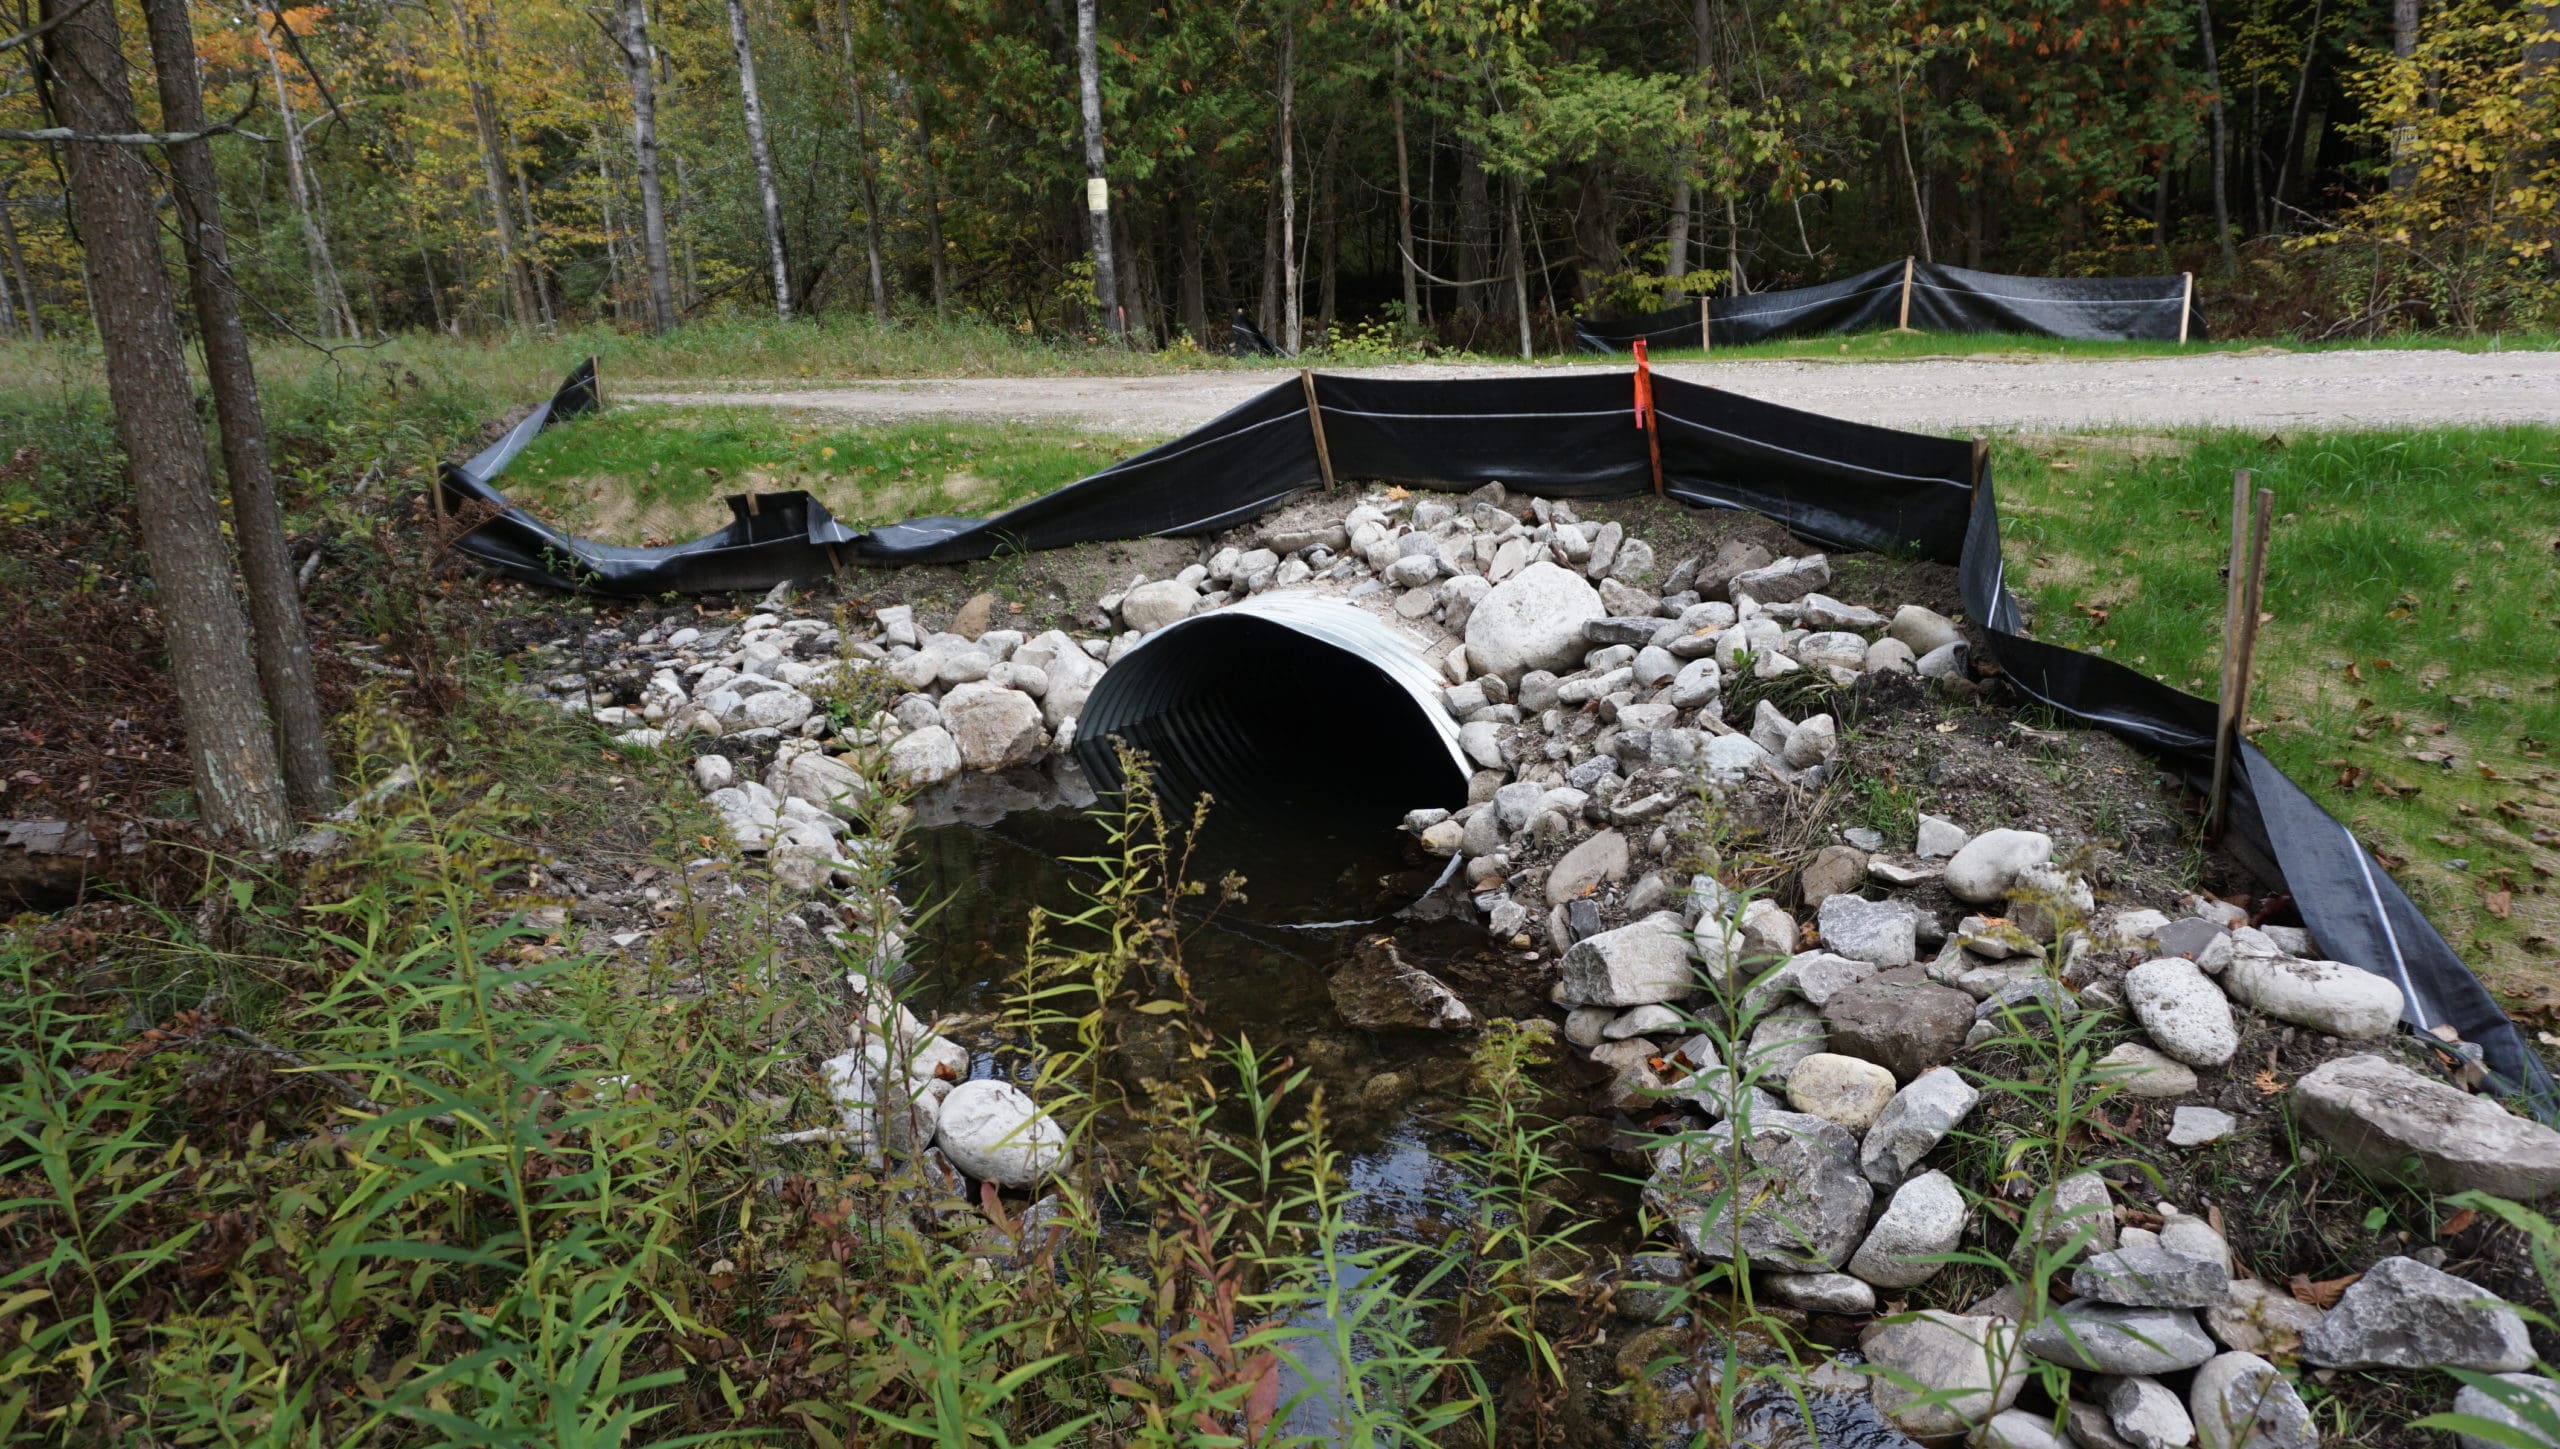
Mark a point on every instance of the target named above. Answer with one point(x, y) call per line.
point(980, 858)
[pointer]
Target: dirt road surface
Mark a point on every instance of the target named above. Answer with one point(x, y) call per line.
point(2274, 390)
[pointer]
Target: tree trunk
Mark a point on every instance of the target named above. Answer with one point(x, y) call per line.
point(2221, 147)
point(1193, 300)
point(1675, 258)
point(266, 561)
point(612, 228)
point(1097, 187)
point(113, 191)
point(1328, 229)
point(1404, 219)
point(2404, 44)
point(753, 103)
point(493, 165)
point(328, 297)
point(18, 266)
point(8, 309)
point(534, 269)
point(2293, 123)
point(1919, 206)
point(870, 198)
point(1735, 284)
point(932, 205)
point(1475, 216)
point(637, 60)
point(1291, 317)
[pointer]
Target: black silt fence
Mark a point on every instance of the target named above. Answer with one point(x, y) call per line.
point(1842, 484)
point(1925, 297)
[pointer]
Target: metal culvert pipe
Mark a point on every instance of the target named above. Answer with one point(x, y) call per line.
point(1284, 703)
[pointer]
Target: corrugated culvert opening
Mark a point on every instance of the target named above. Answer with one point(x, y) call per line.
point(1283, 709)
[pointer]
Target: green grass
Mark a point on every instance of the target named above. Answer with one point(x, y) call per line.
point(655, 474)
point(2406, 670)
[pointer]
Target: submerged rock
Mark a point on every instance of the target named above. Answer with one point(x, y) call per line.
point(1379, 990)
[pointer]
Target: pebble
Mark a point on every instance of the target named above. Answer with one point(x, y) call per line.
point(2196, 1126)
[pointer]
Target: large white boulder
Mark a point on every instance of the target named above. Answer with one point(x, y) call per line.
point(2327, 996)
point(924, 757)
point(1532, 620)
point(994, 1133)
point(1991, 862)
point(1150, 607)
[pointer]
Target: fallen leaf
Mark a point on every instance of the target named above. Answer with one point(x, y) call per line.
point(2323, 1294)
point(2266, 1083)
point(2501, 904)
point(2460, 1222)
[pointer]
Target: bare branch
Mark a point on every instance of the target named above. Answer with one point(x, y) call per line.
point(29, 35)
point(134, 138)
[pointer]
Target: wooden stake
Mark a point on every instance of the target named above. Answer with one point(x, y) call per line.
point(1315, 420)
point(753, 510)
point(1908, 265)
point(1703, 337)
point(1981, 471)
point(2186, 306)
point(2244, 590)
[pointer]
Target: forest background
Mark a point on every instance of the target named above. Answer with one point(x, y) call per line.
point(1449, 173)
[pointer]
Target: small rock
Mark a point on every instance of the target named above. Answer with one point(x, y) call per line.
point(2147, 1413)
point(2255, 1318)
point(1150, 607)
point(1817, 976)
point(2196, 1126)
point(1882, 932)
point(2380, 1114)
point(994, 728)
point(1840, 1089)
point(2079, 1208)
point(1642, 1021)
point(2403, 1314)
point(1821, 1292)
point(2240, 1401)
point(2015, 1429)
point(1925, 1218)
point(1988, 865)
point(2146, 1072)
point(1603, 857)
point(1922, 631)
point(974, 617)
point(1834, 870)
point(2187, 1016)
point(1782, 1039)
point(1917, 1119)
point(1587, 1026)
point(2147, 1276)
point(713, 772)
point(1784, 581)
point(1803, 1207)
point(1939, 838)
point(2109, 1338)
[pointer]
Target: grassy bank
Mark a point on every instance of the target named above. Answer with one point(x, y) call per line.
point(2406, 674)
point(648, 474)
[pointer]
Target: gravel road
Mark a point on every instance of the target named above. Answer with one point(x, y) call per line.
point(1951, 394)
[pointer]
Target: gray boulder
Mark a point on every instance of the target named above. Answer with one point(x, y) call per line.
point(1882, 932)
point(2380, 1114)
point(1984, 869)
point(2147, 1413)
point(1803, 1204)
point(1921, 630)
point(1925, 1218)
point(1938, 1373)
point(1150, 607)
point(1901, 1020)
point(2403, 1314)
point(1532, 620)
point(1634, 965)
point(2326, 996)
point(2187, 1016)
point(995, 728)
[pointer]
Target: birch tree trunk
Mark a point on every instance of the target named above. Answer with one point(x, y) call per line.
point(1519, 257)
point(329, 298)
point(257, 522)
point(2404, 44)
point(753, 103)
point(1097, 186)
point(633, 37)
point(113, 193)
point(1291, 321)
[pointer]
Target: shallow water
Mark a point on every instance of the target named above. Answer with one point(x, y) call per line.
point(1314, 886)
